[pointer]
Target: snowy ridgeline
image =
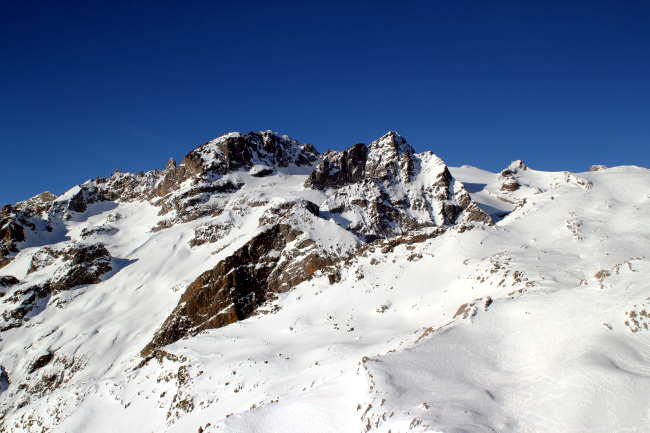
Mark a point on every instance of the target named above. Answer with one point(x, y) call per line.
point(260, 286)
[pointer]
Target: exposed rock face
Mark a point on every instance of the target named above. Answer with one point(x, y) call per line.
point(273, 261)
point(338, 169)
point(234, 151)
point(382, 191)
point(510, 185)
point(12, 232)
point(513, 169)
point(229, 292)
point(8, 281)
point(41, 362)
point(81, 265)
point(17, 219)
point(37, 204)
point(5, 256)
point(104, 229)
point(214, 230)
point(597, 167)
point(184, 190)
point(385, 190)
point(77, 265)
point(78, 203)
point(26, 301)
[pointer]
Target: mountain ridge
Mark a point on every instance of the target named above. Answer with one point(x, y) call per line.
point(259, 277)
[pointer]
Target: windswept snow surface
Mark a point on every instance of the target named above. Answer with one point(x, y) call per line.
point(536, 324)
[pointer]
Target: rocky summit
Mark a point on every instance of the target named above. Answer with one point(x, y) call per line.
point(261, 286)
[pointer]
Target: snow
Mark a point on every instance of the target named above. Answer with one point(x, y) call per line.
point(540, 357)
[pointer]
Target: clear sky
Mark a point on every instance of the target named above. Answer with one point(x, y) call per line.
point(87, 87)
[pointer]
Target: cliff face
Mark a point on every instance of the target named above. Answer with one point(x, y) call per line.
point(386, 189)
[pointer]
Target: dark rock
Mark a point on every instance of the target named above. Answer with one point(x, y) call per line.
point(276, 213)
point(5, 256)
point(41, 362)
point(242, 282)
point(192, 204)
point(29, 299)
point(338, 169)
point(263, 173)
point(380, 189)
point(510, 185)
point(7, 281)
point(229, 292)
point(513, 169)
point(82, 265)
point(101, 230)
point(11, 232)
point(78, 202)
point(202, 168)
point(36, 205)
point(386, 155)
point(234, 151)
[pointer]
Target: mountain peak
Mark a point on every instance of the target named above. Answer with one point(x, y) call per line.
point(235, 151)
point(239, 288)
point(392, 141)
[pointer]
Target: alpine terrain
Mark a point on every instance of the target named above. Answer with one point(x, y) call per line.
point(260, 286)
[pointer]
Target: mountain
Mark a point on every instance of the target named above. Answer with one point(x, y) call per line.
point(261, 286)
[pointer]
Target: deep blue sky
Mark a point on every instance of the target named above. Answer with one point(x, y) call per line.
point(90, 86)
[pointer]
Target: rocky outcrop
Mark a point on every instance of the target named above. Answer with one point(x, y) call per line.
point(26, 302)
point(379, 191)
point(36, 205)
point(338, 169)
point(274, 261)
point(518, 181)
point(182, 191)
point(77, 265)
point(229, 292)
point(11, 229)
point(510, 185)
point(104, 229)
point(515, 168)
point(81, 265)
point(235, 151)
point(7, 281)
point(386, 189)
point(5, 256)
point(214, 230)
point(12, 232)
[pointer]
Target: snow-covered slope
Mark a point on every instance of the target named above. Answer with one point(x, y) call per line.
point(262, 287)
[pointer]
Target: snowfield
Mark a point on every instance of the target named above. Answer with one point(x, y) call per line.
point(536, 323)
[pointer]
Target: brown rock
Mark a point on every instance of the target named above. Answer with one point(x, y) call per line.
point(510, 185)
point(338, 169)
point(239, 284)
